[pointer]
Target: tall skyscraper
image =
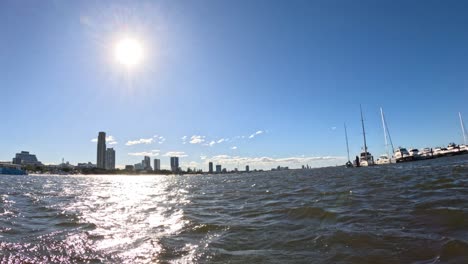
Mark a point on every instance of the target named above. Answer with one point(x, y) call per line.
point(147, 163)
point(218, 168)
point(101, 151)
point(157, 164)
point(247, 168)
point(210, 167)
point(174, 164)
point(110, 159)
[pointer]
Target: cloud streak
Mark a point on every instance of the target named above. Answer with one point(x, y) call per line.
point(259, 132)
point(180, 154)
point(151, 153)
point(140, 141)
point(197, 139)
point(110, 140)
point(159, 139)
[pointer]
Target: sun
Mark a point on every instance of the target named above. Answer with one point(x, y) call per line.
point(128, 52)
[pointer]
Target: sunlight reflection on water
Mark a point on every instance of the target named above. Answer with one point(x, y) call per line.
point(125, 210)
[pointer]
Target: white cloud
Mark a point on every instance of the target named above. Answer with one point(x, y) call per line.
point(151, 153)
point(203, 157)
point(213, 142)
point(256, 134)
point(191, 164)
point(140, 141)
point(234, 148)
point(109, 140)
point(159, 139)
point(175, 154)
point(197, 139)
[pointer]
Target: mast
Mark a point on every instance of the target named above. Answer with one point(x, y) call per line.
point(347, 146)
point(462, 127)
point(388, 132)
point(384, 131)
point(364, 134)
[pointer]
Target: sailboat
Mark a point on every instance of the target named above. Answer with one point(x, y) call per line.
point(365, 159)
point(385, 158)
point(348, 164)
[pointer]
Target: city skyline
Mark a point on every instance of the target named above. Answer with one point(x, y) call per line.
point(227, 87)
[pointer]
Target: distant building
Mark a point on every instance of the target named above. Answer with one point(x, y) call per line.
point(129, 167)
point(65, 165)
point(210, 167)
point(24, 158)
point(174, 164)
point(88, 165)
point(279, 168)
point(139, 167)
point(110, 159)
point(101, 151)
point(146, 163)
point(157, 164)
point(247, 168)
point(218, 168)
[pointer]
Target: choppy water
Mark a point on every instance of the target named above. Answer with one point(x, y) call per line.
point(409, 213)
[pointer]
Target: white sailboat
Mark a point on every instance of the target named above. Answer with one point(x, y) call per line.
point(348, 164)
point(365, 159)
point(385, 158)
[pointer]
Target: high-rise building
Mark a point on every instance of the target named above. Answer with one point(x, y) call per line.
point(146, 163)
point(247, 168)
point(139, 167)
point(101, 151)
point(110, 159)
point(218, 168)
point(157, 164)
point(24, 158)
point(174, 164)
point(210, 167)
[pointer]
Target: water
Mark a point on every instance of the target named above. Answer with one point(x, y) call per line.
point(409, 213)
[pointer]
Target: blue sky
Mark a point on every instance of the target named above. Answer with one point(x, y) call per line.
point(293, 70)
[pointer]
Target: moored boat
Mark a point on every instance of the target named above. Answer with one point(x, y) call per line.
point(382, 160)
point(440, 152)
point(402, 155)
point(414, 153)
point(366, 159)
point(11, 169)
point(385, 158)
point(426, 153)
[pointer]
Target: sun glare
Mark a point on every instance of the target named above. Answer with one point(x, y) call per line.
point(128, 52)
